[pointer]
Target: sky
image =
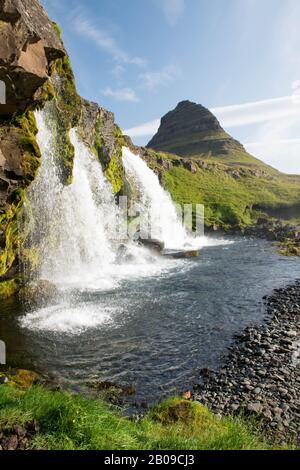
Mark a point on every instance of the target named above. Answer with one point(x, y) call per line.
point(239, 58)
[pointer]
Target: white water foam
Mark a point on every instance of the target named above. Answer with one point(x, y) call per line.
point(157, 205)
point(65, 318)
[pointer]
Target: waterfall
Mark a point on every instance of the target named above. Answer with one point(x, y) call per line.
point(75, 224)
point(72, 221)
point(156, 204)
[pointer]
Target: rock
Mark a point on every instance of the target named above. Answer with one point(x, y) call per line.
point(10, 443)
point(154, 245)
point(98, 124)
point(111, 391)
point(190, 166)
point(181, 254)
point(255, 408)
point(22, 378)
point(29, 43)
point(38, 293)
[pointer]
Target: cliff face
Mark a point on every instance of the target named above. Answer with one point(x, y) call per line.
point(190, 129)
point(36, 71)
point(28, 46)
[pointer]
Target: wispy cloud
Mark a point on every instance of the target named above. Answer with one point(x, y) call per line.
point(172, 9)
point(122, 94)
point(259, 111)
point(105, 41)
point(144, 130)
point(277, 142)
point(239, 115)
point(152, 80)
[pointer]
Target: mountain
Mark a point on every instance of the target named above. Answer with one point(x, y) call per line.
point(199, 163)
point(192, 130)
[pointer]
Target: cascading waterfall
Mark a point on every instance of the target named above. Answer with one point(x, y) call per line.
point(155, 203)
point(74, 230)
point(157, 206)
point(72, 221)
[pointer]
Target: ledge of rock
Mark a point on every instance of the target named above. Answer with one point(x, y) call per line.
point(29, 43)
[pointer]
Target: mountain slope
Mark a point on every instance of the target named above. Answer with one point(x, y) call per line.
point(191, 130)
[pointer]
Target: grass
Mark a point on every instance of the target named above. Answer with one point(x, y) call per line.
point(228, 201)
point(69, 422)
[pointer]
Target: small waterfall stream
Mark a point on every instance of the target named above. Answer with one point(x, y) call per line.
point(156, 204)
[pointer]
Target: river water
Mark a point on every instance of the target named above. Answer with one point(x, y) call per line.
point(153, 331)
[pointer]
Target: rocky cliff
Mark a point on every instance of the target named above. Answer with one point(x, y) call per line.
point(35, 72)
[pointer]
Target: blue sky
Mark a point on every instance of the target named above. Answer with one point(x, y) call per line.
point(239, 58)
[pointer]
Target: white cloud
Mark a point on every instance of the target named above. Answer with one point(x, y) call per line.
point(281, 154)
point(123, 94)
point(118, 71)
point(105, 41)
point(259, 111)
point(152, 80)
point(144, 130)
point(173, 10)
point(278, 144)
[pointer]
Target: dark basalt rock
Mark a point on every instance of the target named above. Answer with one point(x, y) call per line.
point(180, 254)
point(191, 129)
point(154, 245)
point(29, 43)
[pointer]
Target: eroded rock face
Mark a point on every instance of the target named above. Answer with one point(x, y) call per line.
point(96, 123)
point(29, 43)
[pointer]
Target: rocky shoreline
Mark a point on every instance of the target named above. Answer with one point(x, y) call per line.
point(261, 375)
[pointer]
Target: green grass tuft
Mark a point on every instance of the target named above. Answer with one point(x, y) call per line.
point(72, 422)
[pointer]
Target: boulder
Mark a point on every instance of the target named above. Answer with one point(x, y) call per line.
point(181, 254)
point(29, 43)
point(154, 245)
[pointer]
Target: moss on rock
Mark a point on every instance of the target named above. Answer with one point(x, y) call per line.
point(20, 378)
point(15, 228)
point(9, 288)
point(67, 113)
point(290, 247)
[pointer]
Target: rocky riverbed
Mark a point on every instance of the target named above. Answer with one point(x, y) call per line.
point(261, 375)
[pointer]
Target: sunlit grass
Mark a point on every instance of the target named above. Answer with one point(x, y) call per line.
point(72, 422)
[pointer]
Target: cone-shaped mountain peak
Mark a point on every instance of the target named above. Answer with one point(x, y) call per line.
point(191, 129)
